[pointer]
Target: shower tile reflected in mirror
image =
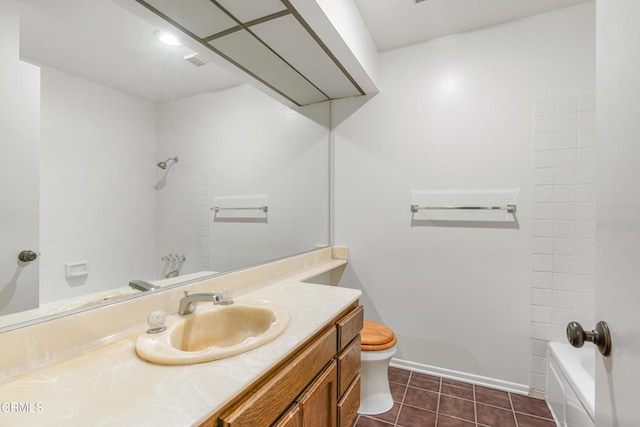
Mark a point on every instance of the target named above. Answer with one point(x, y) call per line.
point(135, 143)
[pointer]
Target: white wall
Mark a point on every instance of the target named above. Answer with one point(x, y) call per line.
point(240, 142)
point(19, 132)
point(453, 113)
point(98, 156)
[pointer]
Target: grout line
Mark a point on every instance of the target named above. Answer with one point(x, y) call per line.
point(495, 406)
point(534, 416)
point(458, 418)
point(455, 397)
point(438, 404)
point(515, 419)
point(475, 405)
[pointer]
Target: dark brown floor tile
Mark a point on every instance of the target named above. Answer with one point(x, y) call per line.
point(428, 382)
point(495, 417)
point(457, 384)
point(365, 421)
point(455, 407)
point(463, 393)
point(529, 405)
point(397, 391)
point(421, 398)
point(493, 397)
point(529, 421)
point(397, 375)
point(414, 417)
point(445, 421)
point(389, 416)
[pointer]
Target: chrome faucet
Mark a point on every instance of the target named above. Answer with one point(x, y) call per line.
point(189, 303)
point(141, 285)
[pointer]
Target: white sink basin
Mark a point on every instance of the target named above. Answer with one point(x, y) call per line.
point(213, 333)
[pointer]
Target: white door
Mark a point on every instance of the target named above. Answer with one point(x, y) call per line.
point(618, 227)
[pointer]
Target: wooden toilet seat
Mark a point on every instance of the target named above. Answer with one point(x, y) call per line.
point(376, 336)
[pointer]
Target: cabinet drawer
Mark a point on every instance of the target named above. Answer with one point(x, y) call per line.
point(349, 326)
point(266, 403)
point(349, 404)
point(348, 365)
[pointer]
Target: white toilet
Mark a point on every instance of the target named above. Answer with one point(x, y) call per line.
point(378, 345)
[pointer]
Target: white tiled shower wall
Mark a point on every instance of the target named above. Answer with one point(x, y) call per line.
point(239, 142)
point(564, 223)
point(183, 200)
point(103, 200)
point(97, 201)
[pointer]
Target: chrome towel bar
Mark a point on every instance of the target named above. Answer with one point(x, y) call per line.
point(508, 208)
point(264, 209)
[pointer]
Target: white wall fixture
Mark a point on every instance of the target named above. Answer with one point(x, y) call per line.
point(464, 205)
point(76, 269)
point(225, 208)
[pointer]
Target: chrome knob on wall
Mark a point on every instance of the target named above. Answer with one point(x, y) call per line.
point(600, 336)
point(27, 256)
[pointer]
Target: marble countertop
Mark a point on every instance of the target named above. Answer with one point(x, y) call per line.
point(111, 386)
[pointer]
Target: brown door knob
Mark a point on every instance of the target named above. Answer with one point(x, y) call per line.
point(27, 256)
point(600, 336)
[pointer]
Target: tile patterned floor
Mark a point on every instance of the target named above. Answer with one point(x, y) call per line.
point(428, 401)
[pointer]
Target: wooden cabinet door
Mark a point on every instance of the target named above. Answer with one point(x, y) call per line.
point(291, 418)
point(318, 403)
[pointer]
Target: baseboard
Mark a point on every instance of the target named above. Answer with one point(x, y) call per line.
point(461, 376)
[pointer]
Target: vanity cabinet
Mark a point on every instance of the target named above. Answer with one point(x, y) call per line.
point(317, 386)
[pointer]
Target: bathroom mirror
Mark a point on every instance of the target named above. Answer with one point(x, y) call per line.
point(155, 164)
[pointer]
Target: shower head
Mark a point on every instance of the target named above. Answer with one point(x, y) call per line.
point(163, 165)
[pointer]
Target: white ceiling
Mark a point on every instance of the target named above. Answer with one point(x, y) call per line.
point(395, 23)
point(101, 42)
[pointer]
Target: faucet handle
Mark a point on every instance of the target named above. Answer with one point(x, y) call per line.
point(156, 322)
point(226, 298)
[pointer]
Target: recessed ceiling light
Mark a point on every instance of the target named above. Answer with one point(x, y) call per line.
point(167, 38)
